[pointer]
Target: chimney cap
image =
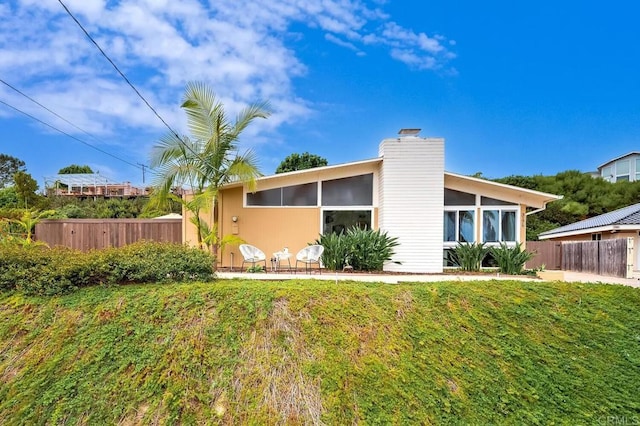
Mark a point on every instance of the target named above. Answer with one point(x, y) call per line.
point(409, 132)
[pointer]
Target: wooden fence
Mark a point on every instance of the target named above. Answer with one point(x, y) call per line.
point(87, 234)
point(546, 253)
point(605, 257)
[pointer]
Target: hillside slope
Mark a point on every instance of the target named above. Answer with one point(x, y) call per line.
point(306, 352)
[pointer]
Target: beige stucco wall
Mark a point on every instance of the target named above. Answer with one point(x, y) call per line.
point(268, 228)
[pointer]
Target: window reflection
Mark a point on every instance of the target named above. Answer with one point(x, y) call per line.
point(490, 226)
point(466, 226)
point(508, 226)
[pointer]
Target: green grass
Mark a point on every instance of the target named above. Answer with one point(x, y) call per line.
point(299, 352)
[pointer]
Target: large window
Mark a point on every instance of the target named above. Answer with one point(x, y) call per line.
point(338, 221)
point(622, 170)
point(351, 191)
point(495, 222)
point(459, 226)
point(498, 226)
point(458, 198)
point(296, 195)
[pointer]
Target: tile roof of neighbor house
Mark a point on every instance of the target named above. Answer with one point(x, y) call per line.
point(625, 216)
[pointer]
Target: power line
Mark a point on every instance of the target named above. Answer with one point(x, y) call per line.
point(67, 134)
point(120, 72)
point(65, 120)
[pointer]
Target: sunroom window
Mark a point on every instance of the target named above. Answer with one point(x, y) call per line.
point(351, 191)
point(498, 226)
point(459, 226)
point(296, 195)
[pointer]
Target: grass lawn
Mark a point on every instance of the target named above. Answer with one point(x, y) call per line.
point(303, 351)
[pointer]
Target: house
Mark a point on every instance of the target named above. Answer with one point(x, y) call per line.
point(82, 185)
point(621, 223)
point(623, 168)
point(404, 192)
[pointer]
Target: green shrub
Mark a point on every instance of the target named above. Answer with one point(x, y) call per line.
point(363, 249)
point(335, 250)
point(43, 271)
point(511, 260)
point(468, 256)
point(255, 269)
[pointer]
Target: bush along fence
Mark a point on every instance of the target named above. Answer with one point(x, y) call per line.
point(38, 270)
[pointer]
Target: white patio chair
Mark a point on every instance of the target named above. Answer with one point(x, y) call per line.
point(253, 255)
point(309, 255)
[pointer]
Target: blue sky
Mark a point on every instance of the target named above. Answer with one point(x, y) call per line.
point(514, 88)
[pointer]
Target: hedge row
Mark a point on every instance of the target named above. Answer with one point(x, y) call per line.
point(38, 270)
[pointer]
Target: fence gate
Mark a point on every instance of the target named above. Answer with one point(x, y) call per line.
point(545, 253)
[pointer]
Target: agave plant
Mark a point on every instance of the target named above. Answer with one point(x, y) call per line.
point(363, 249)
point(511, 260)
point(469, 256)
point(335, 255)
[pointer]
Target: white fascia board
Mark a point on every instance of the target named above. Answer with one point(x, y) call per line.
point(608, 228)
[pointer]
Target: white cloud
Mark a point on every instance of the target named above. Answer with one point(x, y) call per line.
point(340, 42)
point(237, 46)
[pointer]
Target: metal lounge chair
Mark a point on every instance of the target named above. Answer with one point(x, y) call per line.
point(310, 255)
point(253, 255)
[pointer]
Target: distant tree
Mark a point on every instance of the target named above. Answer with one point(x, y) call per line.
point(8, 197)
point(26, 188)
point(301, 162)
point(9, 166)
point(583, 197)
point(75, 169)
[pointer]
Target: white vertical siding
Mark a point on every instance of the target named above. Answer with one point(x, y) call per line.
point(411, 197)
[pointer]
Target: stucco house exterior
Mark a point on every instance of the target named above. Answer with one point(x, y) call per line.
point(623, 168)
point(405, 192)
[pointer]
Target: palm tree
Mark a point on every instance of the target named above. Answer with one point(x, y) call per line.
point(209, 158)
point(28, 222)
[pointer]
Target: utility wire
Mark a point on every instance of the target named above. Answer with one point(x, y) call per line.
point(67, 134)
point(121, 73)
point(67, 121)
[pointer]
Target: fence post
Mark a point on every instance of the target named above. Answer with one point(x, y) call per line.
point(630, 257)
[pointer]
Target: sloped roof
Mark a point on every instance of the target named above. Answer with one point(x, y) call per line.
point(618, 158)
point(625, 216)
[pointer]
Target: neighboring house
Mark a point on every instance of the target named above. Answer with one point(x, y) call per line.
point(621, 223)
point(404, 192)
point(623, 168)
point(82, 185)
